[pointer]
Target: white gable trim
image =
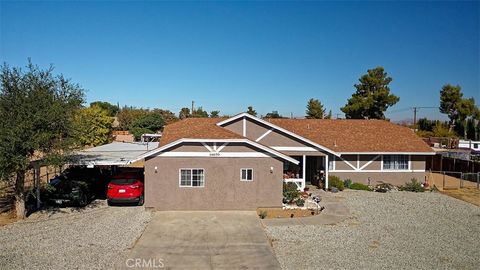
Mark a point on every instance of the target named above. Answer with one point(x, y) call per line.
point(264, 135)
point(254, 144)
point(247, 115)
point(370, 162)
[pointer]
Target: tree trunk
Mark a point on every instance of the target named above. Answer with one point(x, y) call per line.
point(20, 195)
point(451, 126)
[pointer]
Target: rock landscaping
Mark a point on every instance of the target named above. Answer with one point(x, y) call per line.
point(94, 237)
point(392, 230)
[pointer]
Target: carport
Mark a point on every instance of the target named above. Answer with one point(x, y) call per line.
point(113, 158)
point(118, 154)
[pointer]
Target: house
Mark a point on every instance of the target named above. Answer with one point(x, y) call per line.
point(474, 146)
point(241, 162)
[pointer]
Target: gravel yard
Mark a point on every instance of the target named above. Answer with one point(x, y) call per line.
point(91, 238)
point(397, 230)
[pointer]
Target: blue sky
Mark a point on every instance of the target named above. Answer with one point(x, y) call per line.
point(229, 55)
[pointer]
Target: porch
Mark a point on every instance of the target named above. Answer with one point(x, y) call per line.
point(312, 170)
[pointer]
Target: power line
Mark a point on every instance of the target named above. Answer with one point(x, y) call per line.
point(415, 109)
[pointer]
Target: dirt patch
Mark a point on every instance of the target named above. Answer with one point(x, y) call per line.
point(471, 195)
point(287, 213)
point(7, 218)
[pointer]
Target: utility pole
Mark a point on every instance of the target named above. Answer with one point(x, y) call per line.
point(414, 118)
point(193, 102)
point(415, 110)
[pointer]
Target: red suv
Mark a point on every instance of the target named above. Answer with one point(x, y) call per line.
point(125, 188)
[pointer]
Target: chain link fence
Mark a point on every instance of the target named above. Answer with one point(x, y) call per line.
point(453, 180)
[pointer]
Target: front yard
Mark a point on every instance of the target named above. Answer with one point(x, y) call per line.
point(397, 230)
point(94, 237)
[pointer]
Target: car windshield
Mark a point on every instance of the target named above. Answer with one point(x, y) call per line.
point(124, 181)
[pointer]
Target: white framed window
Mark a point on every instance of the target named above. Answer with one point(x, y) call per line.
point(395, 162)
point(331, 163)
point(192, 178)
point(246, 174)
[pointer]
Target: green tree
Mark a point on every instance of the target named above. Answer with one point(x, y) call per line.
point(111, 109)
point(215, 114)
point(184, 113)
point(450, 99)
point(251, 111)
point(372, 97)
point(329, 115)
point(36, 119)
point(199, 112)
point(93, 126)
point(425, 124)
point(440, 130)
point(457, 108)
point(168, 116)
point(315, 109)
point(273, 114)
point(150, 123)
point(128, 115)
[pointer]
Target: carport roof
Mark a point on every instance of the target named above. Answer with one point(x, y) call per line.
point(116, 153)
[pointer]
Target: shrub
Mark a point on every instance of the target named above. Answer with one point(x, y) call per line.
point(359, 186)
point(347, 183)
point(300, 202)
point(413, 186)
point(384, 187)
point(290, 191)
point(334, 181)
point(263, 214)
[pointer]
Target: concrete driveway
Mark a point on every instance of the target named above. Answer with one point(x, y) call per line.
point(202, 240)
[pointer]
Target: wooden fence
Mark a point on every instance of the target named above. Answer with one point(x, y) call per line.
point(7, 195)
point(447, 164)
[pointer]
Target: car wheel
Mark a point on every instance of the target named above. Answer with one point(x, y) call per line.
point(109, 203)
point(141, 201)
point(83, 200)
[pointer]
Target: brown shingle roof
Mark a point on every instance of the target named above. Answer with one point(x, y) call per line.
point(355, 135)
point(196, 128)
point(338, 135)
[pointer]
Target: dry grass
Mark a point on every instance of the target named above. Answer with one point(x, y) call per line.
point(470, 194)
point(7, 218)
point(436, 179)
point(287, 213)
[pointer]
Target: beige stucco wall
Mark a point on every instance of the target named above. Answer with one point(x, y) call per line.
point(223, 189)
point(418, 162)
point(395, 178)
point(188, 147)
point(235, 126)
point(277, 139)
point(364, 159)
point(342, 165)
point(255, 130)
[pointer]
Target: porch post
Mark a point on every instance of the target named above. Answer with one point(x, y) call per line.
point(304, 171)
point(326, 172)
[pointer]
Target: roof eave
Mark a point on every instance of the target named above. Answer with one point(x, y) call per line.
point(388, 153)
point(255, 144)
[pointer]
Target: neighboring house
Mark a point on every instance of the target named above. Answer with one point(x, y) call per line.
point(472, 145)
point(241, 162)
point(122, 136)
